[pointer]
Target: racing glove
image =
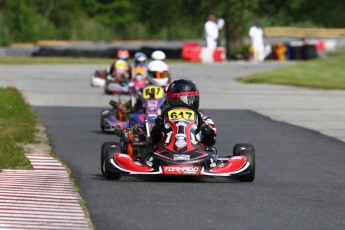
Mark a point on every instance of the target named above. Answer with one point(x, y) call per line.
point(205, 129)
point(159, 122)
point(209, 136)
point(157, 129)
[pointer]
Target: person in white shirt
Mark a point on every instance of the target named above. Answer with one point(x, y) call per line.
point(256, 35)
point(211, 32)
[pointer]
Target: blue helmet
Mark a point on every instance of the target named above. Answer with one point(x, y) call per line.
point(140, 57)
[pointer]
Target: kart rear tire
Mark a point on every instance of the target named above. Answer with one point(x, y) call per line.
point(248, 151)
point(107, 167)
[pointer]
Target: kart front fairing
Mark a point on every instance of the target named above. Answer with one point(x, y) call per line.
point(111, 124)
point(152, 98)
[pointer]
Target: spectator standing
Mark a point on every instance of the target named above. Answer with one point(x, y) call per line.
point(256, 35)
point(211, 32)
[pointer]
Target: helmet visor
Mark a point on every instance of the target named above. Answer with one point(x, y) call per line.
point(183, 98)
point(158, 75)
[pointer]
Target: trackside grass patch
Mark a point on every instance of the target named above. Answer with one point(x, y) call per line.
point(17, 125)
point(322, 73)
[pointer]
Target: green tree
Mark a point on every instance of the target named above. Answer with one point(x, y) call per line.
point(117, 15)
point(29, 20)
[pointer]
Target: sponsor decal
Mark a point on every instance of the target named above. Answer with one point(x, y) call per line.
point(152, 103)
point(181, 124)
point(180, 170)
point(180, 141)
point(181, 157)
point(149, 162)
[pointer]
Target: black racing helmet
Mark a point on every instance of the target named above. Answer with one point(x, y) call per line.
point(183, 92)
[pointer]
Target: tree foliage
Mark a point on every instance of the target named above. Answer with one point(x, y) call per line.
point(31, 20)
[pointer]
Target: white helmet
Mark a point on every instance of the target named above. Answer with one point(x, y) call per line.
point(158, 73)
point(158, 55)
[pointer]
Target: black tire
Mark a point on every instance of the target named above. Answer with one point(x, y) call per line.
point(248, 151)
point(107, 113)
point(296, 53)
point(107, 153)
point(107, 82)
point(104, 148)
point(309, 52)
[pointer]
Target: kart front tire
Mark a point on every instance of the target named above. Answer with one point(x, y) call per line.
point(107, 167)
point(106, 113)
point(104, 148)
point(248, 151)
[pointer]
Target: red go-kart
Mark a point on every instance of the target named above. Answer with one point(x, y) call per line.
point(180, 153)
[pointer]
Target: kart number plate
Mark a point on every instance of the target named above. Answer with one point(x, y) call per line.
point(120, 64)
point(156, 92)
point(139, 70)
point(181, 114)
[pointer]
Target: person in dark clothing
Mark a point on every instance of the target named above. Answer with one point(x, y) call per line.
point(184, 92)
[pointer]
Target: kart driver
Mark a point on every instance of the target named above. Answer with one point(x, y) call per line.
point(159, 55)
point(185, 93)
point(121, 67)
point(140, 66)
point(158, 75)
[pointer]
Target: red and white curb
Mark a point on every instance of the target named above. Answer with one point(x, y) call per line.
point(43, 198)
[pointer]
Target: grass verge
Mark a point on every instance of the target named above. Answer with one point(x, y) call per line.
point(17, 125)
point(322, 73)
point(20, 126)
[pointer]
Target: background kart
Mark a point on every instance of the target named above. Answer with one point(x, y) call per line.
point(179, 154)
point(98, 78)
point(122, 116)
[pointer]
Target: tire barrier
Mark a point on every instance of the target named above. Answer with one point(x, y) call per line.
point(296, 50)
point(280, 52)
point(170, 52)
point(309, 52)
point(17, 51)
point(74, 52)
point(192, 51)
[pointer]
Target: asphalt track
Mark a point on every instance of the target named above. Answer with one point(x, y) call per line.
point(299, 182)
point(300, 177)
